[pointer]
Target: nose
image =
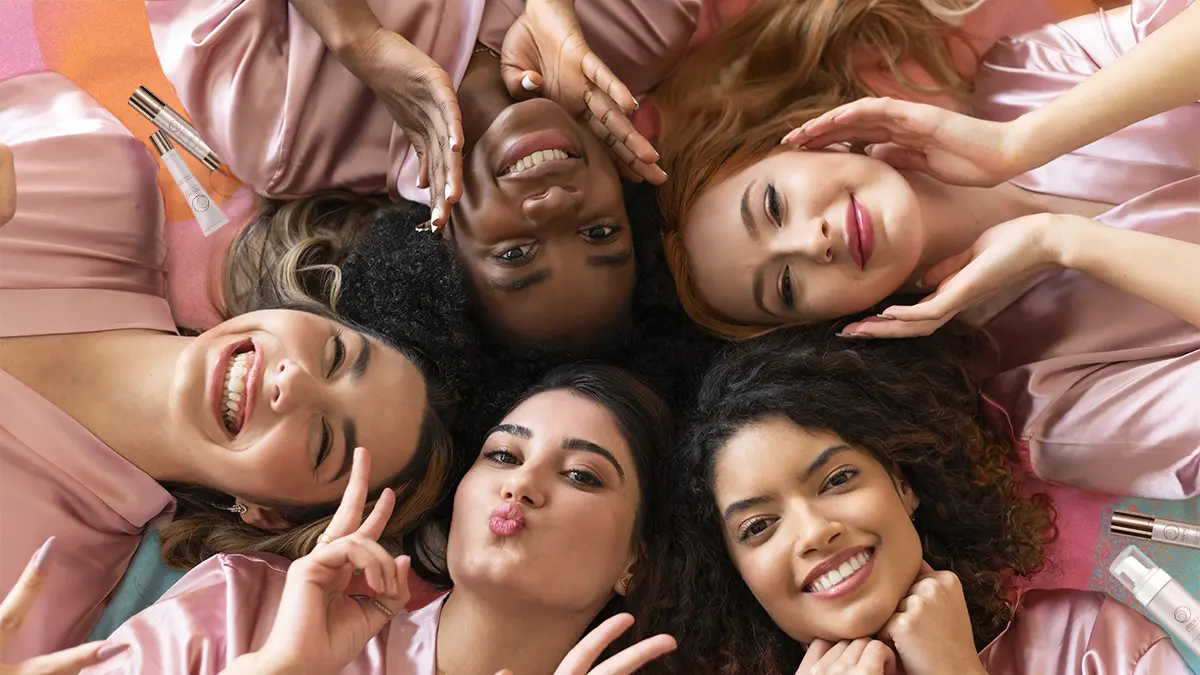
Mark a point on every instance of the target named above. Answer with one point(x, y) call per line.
point(291, 387)
point(810, 239)
point(521, 487)
point(556, 204)
point(814, 532)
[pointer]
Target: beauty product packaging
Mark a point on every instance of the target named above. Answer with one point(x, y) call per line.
point(165, 118)
point(207, 214)
point(1166, 599)
point(1150, 528)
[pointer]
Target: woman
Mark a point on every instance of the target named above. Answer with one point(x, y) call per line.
point(775, 236)
point(541, 226)
point(547, 531)
point(111, 422)
point(820, 485)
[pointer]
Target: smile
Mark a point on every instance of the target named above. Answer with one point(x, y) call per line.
point(235, 379)
point(535, 159)
point(838, 578)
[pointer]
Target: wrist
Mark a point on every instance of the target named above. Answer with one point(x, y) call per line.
point(261, 663)
point(1028, 147)
point(1067, 239)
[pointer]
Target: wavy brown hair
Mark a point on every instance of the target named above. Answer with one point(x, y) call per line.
point(781, 64)
point(911, 404)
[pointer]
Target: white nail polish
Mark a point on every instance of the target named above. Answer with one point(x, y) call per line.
point(447, 193)
point(528, 84)
point(436, 214)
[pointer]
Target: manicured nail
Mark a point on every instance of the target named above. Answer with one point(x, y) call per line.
point(448, 191)
point(434, 228)
point(109, 651)
point(436, 214)
point(528, 84)
point(453, 143)
point(39, 558)
point(885, 316)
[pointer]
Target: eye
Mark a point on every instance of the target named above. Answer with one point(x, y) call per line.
point(840, 477)
point(339, 354)
point(772, 205)
point(515, 255)
point(599, 233)
point(787, 292)
point(754, 528)
point(584, 477)
point(326, 444)
point(501, 457)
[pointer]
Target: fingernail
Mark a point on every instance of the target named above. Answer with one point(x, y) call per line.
point(447, 193)
point(885, 316)
point(436, 214)
point(418, 182)
point(453, 143)
point(434, 228)
point(109, 651)
point(920, 284)
point(39, 558)
point(528, 84)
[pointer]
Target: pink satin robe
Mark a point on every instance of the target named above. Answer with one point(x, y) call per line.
point(225, 607)
point(84, 253)
point(1103, 387)
point(290, 120)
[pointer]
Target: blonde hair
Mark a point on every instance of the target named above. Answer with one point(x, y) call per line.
point(781, 64)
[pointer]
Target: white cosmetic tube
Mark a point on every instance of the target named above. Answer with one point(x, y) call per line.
point(207, 214)
point(1166, 599)
point(165, 118)
point(1162, 530)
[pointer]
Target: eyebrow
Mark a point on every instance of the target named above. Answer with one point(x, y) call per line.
point(521, 283)
point(821, 460)
point(610, 259)
point(570, 443)
point(349, 428)
point(363, 360)
point(747, 217)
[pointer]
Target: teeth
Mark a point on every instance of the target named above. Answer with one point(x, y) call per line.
point(844, 571)
point(532, 160)
point(235, 385)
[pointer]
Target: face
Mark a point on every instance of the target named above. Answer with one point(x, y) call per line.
point(819, 530)
point(541, 227)
point(273, 403)
point(546, 516)
point(803, 236)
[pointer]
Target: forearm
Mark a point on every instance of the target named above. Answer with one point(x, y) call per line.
point(1158, 74)
point(1162, 271)
point(256, 664)
point(345, 26)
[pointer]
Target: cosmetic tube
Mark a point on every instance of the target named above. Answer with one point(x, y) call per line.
point(1166, 599)
point(207, 214)
point(1149, 528)
point(165, 118)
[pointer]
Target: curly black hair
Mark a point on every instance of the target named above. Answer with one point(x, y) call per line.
point(913, 404)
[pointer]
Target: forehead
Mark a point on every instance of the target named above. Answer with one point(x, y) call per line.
point(767, 451)
point(388, 405)
point(555, 415)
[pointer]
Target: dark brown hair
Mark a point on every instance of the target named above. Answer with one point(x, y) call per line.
point(912, 404)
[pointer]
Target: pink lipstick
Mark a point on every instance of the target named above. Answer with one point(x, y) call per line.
point(860, 233)
point(249, 395)
point(853, 568)
point(507, 520)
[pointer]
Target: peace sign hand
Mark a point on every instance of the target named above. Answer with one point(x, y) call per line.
point(580, 659)
point(16, 607)
point(544, 52)
point(320, 627)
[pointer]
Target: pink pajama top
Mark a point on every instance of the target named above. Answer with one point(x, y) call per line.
point(225, 607)
point(84, 253)
point(1104, 388)
point(290, 120)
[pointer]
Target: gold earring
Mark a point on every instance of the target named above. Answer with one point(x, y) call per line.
point(625, 581)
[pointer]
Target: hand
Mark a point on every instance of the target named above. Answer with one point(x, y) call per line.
point(319, 628)
point(860, 657)
point(421, 98)
point(580, 659)
point(1002, 256)
point(8, 185)
point(544, 52)
point(16, 607)
point(954, 148)
point(931, 629)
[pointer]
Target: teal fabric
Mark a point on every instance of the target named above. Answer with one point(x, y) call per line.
point(144, 583)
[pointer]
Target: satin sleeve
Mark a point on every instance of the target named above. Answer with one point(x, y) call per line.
point(221, 609)
point(1069, 632)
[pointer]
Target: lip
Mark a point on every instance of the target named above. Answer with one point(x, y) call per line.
point(530, 143)
point(253, 377)
point(833, 563)
point(860, 233)
point(507, 520)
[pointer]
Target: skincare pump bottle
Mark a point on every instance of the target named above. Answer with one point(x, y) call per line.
point(1165, 598)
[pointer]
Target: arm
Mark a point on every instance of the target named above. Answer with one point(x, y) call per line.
point(1157, 75)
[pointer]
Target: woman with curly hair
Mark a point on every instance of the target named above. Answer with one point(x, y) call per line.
point(1038, 222)
point(849, 504)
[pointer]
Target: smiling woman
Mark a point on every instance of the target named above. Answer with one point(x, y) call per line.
point(240, 436)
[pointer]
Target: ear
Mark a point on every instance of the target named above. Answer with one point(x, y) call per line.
point(907, 496)
point(264, 517)
point(621, 588)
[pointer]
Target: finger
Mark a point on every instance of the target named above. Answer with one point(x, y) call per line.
point(854, 651)
point(631, 659)
point(852, 134)
point(628, 173)
point(602, 77)
point(813, 654)
point(878, 658)
point(835, 652)
point(522, 84)
point(584, 654)
point(350, 511)
point(20, 599)
point(376, 523)
point(623, 156)
point(614, 120)
point(452, 119)
point(890, 330)
point(900, 157)
point(402, 594)
point(438, 208)
point(422, 170)
point(71, 661)
point(926, 568)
